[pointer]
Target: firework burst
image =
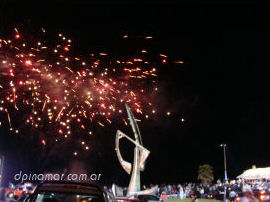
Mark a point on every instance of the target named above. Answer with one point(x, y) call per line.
point(47, 87)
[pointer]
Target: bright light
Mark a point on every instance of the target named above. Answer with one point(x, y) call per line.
point(28, 62)
point(17, 36)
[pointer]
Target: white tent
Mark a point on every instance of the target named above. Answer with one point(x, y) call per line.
point(255, 174)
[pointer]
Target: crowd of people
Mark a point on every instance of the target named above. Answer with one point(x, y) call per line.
point(236, 190)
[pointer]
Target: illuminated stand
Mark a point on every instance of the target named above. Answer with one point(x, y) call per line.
point(1, 168)
point(140, 156)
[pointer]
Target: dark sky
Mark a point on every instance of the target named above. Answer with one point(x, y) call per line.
point(222, 90)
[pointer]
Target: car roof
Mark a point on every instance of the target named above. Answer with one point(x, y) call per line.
point(70, 187)
point(122, 199)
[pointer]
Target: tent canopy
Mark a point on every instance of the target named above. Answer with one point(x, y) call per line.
point(255, 174)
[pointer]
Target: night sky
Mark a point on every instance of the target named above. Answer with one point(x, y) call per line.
point(221, 90)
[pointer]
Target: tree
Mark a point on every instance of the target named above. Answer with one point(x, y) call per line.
point(205, 173)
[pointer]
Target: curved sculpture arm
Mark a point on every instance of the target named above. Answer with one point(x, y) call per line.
point(126, 165)
point(144, 153)
point(143, 156)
